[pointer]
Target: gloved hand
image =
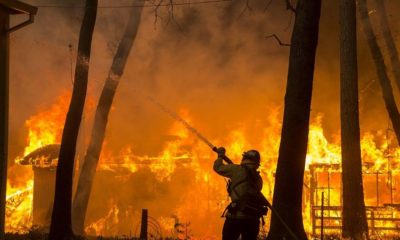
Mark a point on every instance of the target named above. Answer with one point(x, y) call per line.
point(221, 152)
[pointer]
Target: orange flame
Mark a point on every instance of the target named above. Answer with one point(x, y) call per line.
point(46, 127)
point(207, 191)
point(43, 129)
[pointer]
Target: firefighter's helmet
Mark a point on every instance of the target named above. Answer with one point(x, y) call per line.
point(251, 157)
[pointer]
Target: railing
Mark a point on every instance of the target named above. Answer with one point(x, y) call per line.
point(382, 221)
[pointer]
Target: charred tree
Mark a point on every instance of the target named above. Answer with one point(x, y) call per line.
point(61, 227)
point(92, 156)
point(354, 217)
point(389, 40)
point(293, 147)
point(383, 77)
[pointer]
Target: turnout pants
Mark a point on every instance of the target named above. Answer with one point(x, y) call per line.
point(247, 228)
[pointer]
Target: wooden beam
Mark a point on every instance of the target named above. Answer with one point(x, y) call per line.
point(4, 66)
point(17, 7)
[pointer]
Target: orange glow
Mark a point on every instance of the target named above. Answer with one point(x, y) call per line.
point(46, 127)
point(43, 129)
point(105, 225)
point(19, 207)
point(206, 198)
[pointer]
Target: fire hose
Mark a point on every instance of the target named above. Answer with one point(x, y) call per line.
point(215, 149)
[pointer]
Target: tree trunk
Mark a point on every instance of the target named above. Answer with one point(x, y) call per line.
point(293, 147)
point(89, 166)
point(384, 80)
point(354, 217)
point(388, 37)
point(61, 228)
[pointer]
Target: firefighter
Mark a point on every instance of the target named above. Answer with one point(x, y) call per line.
point(248, 205)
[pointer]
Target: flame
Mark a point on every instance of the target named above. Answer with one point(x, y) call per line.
point(106, 224)
point(206, 196)
point(46, 127)
point(18, 208)
point(319, 149)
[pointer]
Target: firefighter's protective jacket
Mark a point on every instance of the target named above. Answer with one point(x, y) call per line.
point(239, 185)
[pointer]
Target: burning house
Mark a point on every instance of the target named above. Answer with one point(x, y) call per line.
point(381, 197)
point(166, 183)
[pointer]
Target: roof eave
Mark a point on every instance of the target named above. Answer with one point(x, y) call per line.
point(17, 7)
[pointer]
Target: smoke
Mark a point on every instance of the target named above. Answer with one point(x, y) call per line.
point(212, 60)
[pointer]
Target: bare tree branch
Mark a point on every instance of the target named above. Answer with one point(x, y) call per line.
point(246, 7)
point(172, 15)
point(278, 40)
point(289, 6)
point(267, 6)
point(290, 22)
point(170, 12)
point(156, 15)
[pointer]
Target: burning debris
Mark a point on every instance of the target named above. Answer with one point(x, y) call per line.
point(44, 157)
